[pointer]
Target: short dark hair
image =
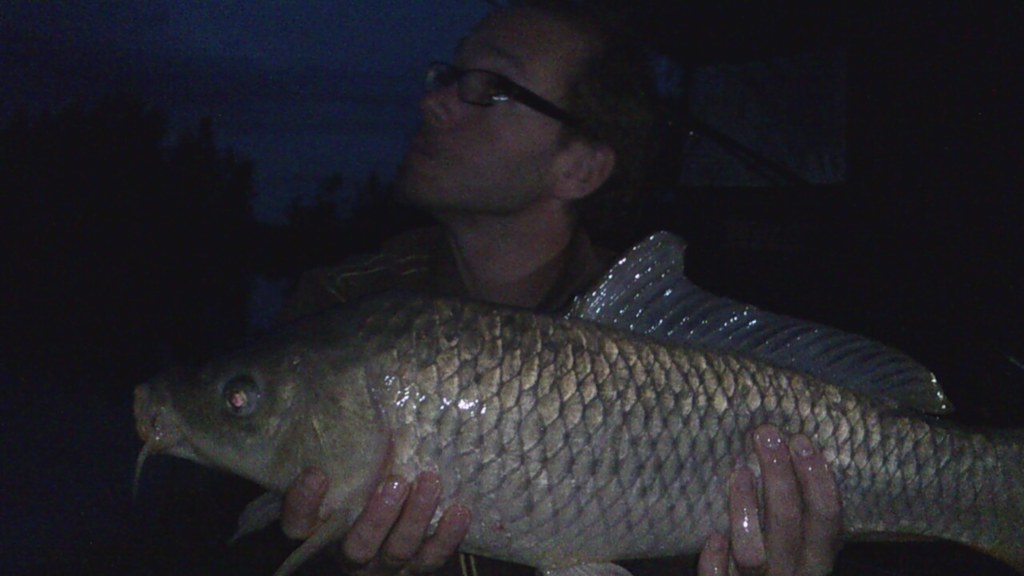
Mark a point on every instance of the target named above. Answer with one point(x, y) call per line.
point(614, 98)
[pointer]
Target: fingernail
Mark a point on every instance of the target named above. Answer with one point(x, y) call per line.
point(430, 480)
point(714, 561)
point(313, 482)
point(393, 490)
point(748, 519)
point(801, 446)
point(460, 516)
point(427, 488)
point(768, 436)
point(717, 542)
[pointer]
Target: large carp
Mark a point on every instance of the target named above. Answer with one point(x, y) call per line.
point(573, 443)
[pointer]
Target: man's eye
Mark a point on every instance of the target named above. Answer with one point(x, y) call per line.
point(496, 92)
point(499, 97)
point(447, 77)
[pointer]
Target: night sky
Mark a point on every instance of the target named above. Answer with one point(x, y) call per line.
point(303, 89)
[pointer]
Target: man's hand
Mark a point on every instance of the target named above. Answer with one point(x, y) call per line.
point(391, 534)
point(802, 514)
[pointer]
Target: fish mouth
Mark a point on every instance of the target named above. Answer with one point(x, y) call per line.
point(154, 421)
point(158, 429)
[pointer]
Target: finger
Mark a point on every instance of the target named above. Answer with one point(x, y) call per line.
point(783, 505)
point(410, 530)
point(714, 559)
point(745, 527)
point(822, 506)
point(300, 512)
point(437, 549)
point(366, 536)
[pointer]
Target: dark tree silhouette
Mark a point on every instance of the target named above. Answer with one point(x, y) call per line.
point(120, 249)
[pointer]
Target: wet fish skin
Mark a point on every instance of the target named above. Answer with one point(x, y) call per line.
point(571, 442)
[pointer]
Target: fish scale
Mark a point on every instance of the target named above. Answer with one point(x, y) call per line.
point(571, 442)
point(645, 473)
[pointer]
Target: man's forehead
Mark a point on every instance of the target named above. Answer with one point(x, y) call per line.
point(522, 37)
point(490, 48)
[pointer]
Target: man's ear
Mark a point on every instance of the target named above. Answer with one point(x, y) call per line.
point(581, 168)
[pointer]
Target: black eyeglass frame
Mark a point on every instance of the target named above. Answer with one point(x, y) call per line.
point(440, 74)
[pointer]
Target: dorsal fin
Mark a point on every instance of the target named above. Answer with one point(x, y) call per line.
point(647, 292)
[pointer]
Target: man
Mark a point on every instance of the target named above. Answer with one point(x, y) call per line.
point(515, 141)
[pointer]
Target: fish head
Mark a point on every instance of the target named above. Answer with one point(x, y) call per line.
point(291, 401)
point(230, 414)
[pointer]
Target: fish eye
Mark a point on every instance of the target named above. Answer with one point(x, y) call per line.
point(241, 395)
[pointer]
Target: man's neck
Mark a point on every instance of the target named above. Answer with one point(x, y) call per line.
point(510, 259)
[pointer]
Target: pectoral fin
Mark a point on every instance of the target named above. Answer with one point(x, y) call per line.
point(602, 569)
point(258, 514)
point(332, 529)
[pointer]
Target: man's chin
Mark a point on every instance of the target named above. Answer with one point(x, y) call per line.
point(406, 195)
point(414, 190)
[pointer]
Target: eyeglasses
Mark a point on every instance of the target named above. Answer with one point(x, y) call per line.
point(486, 88)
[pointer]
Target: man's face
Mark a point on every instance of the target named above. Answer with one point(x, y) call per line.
point(496, 159)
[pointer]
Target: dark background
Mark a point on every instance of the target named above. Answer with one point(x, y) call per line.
point(128, 242)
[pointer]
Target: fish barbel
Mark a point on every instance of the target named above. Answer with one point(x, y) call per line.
point(573, 443)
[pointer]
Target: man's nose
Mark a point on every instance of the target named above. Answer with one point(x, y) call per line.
point(441, 107)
